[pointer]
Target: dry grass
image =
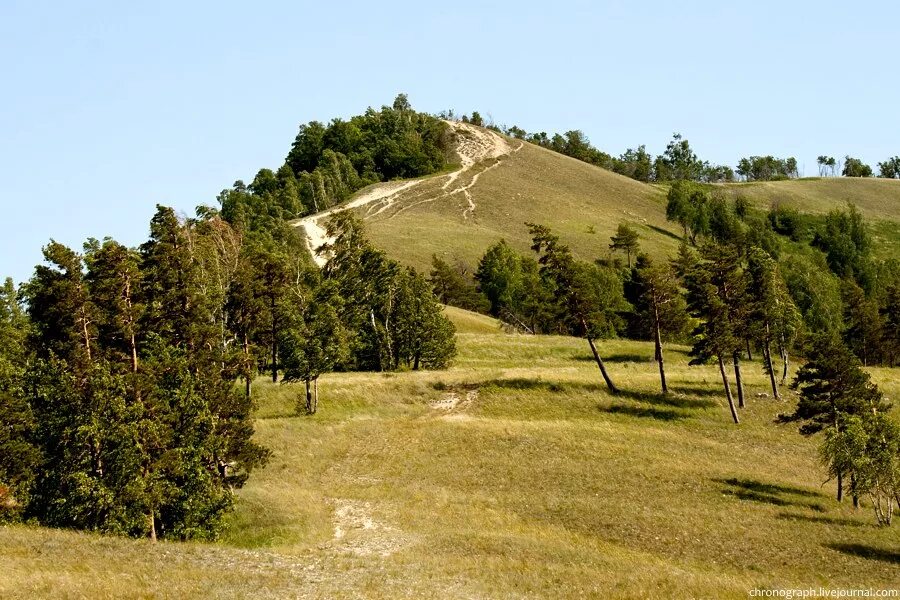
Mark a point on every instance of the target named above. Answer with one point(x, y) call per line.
point(584, 204)
point(535, 483)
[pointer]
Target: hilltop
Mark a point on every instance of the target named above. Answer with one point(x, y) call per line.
point(502, 182)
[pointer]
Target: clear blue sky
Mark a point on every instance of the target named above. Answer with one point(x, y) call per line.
point(107, 108)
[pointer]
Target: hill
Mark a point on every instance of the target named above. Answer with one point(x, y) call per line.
point(502, 182)
point(513, 474)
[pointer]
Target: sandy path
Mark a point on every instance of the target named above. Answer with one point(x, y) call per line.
point(474, 146)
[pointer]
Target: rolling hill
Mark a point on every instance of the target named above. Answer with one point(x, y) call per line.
point(514, 473)
point(502, 182)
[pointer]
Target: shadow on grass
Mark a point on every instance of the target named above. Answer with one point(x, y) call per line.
point(868, 552)
point(615, 358)
point(664, 232)
point(646, 412)
point(697, 391)
point(658, 398)
point(770, 493)
point(786, 516)
point(522, 383)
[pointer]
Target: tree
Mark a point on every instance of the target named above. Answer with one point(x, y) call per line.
point(589, 297)
point(454, 287)
point(314, 342)
point(826, 164)
point(716, 287)
point(890, 168)
point(658, 304)
point(863, 324)
point(20, 456)
point(773, 317)
point(890, 315)
point(678, 162)
point(845, 239)
point(499, 277)
point(476, 119)
point(625, 239)
point(387, 309)
point(867, 446)
point(854, 167)
point(688, 205)
point(833, 386)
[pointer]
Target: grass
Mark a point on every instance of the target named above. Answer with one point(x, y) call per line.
point(584, 204)
point(512, 474)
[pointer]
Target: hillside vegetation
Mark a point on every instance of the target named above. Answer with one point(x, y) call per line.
point(493, 198)
point(512, 474)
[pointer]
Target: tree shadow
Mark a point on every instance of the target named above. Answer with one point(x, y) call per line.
point(522, 383)
point(615, 358)
point(770, 493)
point(663, 231)
point(697, 391)
point(786, 516)
point(645, 412)
point(868, 552)
point(658, 398)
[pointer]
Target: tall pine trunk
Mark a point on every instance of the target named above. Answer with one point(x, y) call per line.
point(315, 395)
point(308, 397)
point(274, 341)
point(767, 354)
point(657, 339)
point(728, 395)
point(739, 382)
point(749, 355)
point(782, 348)
point(612, 388)
point(152, 519)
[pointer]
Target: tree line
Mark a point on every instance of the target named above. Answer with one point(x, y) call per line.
point(119, 367)
point(679, 161)
point(728, 298)
point(327, 163)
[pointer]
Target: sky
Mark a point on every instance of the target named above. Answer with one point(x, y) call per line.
point(109, 108)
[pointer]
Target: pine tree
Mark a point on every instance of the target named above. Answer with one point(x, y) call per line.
point(714, 284)
point(658, 305)
point(588, 297)
point(313, 342)
point(626, 240)
point(773, 317)
point(832, 386)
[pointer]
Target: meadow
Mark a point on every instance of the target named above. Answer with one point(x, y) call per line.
point(512, 474)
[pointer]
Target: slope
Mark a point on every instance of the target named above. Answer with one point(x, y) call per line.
point(501, 184)
point(513, 474)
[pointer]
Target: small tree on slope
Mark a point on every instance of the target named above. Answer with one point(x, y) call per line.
point(587, 295)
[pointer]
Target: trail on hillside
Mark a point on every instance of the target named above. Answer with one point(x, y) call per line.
point(474, 146)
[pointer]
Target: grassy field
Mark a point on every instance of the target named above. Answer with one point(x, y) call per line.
point(584, 204)
point(513, 474)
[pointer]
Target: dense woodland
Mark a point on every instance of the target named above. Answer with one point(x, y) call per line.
point(126, 373)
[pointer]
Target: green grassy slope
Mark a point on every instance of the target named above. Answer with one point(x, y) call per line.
point(877, 199)
point(584, 204)
point(513, 473)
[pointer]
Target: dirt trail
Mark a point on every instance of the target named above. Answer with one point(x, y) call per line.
point(475, 145)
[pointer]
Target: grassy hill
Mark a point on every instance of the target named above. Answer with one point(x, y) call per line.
point(513, 474)
point(495, 197)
